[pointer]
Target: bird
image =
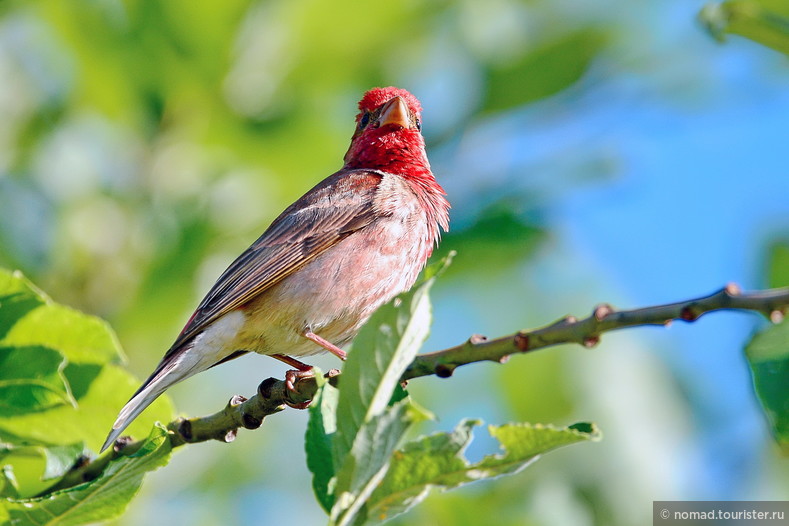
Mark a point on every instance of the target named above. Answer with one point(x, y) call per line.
point(307, 285)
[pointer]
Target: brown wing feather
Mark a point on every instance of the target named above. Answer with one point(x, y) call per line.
point(338, 206)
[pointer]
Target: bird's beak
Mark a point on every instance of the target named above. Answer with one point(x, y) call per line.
point(395, 112)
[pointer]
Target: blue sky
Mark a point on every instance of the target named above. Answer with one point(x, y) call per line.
point(701, 194)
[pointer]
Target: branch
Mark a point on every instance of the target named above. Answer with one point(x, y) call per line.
point(272, 395)
point(770, 303)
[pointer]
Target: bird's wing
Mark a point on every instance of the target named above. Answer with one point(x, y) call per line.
point(338, 206)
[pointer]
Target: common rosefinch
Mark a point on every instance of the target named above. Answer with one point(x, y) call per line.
point(308, 284)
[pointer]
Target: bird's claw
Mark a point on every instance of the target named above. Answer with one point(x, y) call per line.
point(294, 375)
point(291, 378)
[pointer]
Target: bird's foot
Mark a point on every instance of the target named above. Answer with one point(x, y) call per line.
point(302, 370)
point(294, 375)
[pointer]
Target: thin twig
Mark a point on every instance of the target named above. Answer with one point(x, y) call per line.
point(604, 318)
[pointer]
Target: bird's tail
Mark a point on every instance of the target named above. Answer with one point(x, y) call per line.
point(173, 368)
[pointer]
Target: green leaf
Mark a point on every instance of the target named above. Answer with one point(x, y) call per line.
point(318, 443)
point(39, 339)
point(60, 459)
point(33, 468)
point(497, 240)
point(31, 379)
point(31, 374)
point(30, 318)
point(91, 420)
point(371, 417)
point(378, 438)
point(100, 499)
point(59, 391)
point(437, 461)
point(79, 337)
point(382, 350)
point(768, 356)
point(8, 488)
point(17, 298)
point(778, 264)
point(763, 21)
point(542, 72)
point(56, 382)
point(369, 458)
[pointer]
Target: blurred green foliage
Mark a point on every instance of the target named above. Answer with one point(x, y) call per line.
point(777, 270)
point(763, 21)
point(557, 63)
point(158, 139)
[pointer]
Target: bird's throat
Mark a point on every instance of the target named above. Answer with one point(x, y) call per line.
point(402, 153)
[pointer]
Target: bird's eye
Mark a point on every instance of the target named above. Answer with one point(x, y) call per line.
point(419, 125)
point(365, 120)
